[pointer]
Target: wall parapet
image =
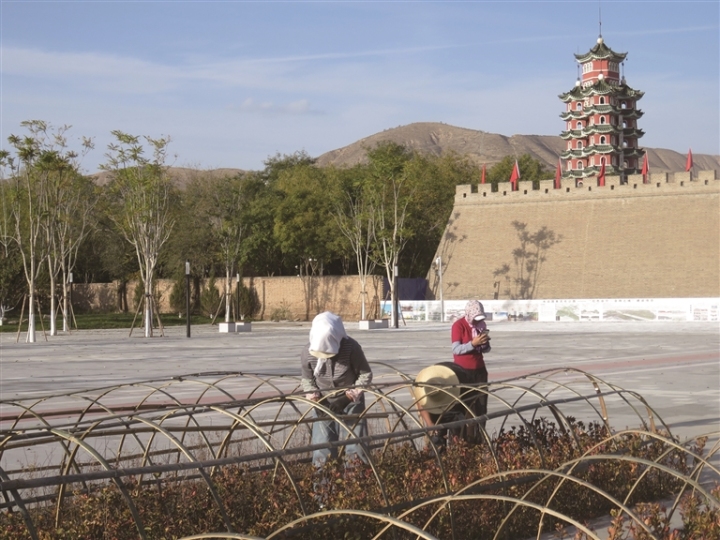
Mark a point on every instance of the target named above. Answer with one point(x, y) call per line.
point(658, 184)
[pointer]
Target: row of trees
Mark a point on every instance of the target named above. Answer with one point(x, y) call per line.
point(291, 218)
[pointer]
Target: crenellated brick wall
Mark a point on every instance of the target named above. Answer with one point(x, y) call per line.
point(660, 239)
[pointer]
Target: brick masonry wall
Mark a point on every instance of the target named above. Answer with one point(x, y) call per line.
point(297, 298)
point(655, 240)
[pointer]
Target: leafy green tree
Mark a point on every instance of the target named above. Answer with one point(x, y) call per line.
point(249, 302)
point(434, 178)
point(261, 254)
point(210, 297)
point(304, 226)
point(212, 230)
point(141, 193)
point(178, 298)
point(11, 279)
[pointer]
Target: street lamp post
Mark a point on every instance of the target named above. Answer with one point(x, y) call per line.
point(438, 262)
point(187, 296)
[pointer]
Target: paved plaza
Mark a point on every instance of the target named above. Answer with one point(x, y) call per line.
point(674, 366)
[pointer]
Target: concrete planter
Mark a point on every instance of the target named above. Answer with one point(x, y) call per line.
point(233, 327)
point(373, 324)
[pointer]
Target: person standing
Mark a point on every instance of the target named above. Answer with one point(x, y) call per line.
point(470, 341)
point(333, 360)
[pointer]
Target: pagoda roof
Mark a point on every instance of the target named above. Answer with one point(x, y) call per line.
point(600, 109)
point(600, 52)
point(602, 88)
point(593, 129)
point(587, 172)
point(633, 132)
point(594, 150)
point(632, 113)
point(633, 152)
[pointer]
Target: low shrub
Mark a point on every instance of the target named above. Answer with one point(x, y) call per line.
point(257, 501)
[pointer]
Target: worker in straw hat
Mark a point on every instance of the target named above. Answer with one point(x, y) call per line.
point(441, 397)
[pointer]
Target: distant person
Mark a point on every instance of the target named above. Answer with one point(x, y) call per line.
point(332, 360)
point(440, 398)
point(470, 341)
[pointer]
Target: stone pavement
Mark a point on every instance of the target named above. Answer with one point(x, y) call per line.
point(674, 366)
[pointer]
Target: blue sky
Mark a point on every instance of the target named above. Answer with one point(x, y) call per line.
point(233, 82)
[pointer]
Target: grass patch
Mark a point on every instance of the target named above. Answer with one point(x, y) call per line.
point(105, 321)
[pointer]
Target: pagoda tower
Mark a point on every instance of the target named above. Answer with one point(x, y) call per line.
point(601, 118)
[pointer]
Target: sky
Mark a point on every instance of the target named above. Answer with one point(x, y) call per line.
point(233, 83)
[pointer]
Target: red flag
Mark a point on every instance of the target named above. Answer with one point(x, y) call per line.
point(645, 169)
point(558, 175)
point(689, 163)
point(515, 176)
point(601, 175)
point(482, 179)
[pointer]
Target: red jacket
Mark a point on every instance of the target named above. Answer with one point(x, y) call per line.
point(462, 332)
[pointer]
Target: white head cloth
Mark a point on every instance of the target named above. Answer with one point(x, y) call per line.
point(326, 333)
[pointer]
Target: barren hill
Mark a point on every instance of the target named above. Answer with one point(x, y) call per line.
point(482, 147)
point(181, 176)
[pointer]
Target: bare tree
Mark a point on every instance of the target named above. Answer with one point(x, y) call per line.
point(355, 218)
point(142, 192)
point(75, 203)
point(225, 218)
point(390, 192)
point(65, 207)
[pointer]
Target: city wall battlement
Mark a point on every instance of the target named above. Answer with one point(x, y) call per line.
point(635, 240)
point(658, 184)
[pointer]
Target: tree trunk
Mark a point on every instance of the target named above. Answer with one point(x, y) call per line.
point(227, 294)
point(148, 301)
point(31, 317)
point(66, 322)
point(53, 306)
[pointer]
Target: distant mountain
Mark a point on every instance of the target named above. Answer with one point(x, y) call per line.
point(438, 139)
point(482, 147)
point(181, 176)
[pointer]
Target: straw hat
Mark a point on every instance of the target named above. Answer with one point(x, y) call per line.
point(432, 399)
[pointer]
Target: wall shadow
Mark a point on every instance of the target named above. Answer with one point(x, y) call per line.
point(520, 278)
